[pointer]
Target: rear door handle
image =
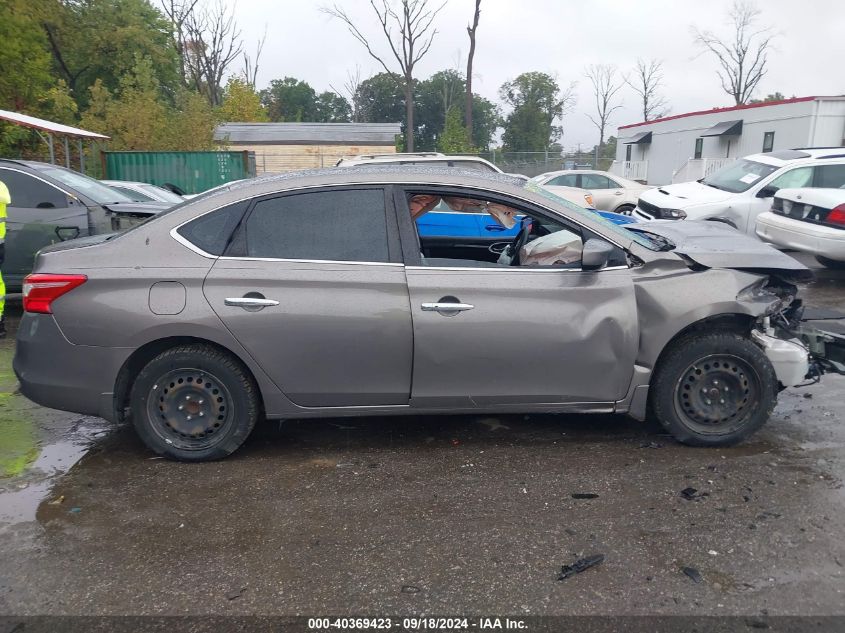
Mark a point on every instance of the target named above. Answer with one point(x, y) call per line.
point(249, 302)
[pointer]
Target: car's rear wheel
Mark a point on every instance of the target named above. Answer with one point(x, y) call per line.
point(194, 403)
point(713, 389)
point(626, 209)
point(830, 263)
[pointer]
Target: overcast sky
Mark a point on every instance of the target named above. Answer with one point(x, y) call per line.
point(561, 37)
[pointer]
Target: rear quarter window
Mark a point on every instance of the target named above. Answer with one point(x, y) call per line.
point(211, 232)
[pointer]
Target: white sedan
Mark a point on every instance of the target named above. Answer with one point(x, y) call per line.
point(809, 220)
point(609, 191)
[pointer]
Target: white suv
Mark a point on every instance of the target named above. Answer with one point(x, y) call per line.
point(739, 192)
point(431, 159)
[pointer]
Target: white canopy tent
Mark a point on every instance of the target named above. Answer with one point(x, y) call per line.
point(51, 128)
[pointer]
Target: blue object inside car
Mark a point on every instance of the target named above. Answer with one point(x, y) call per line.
point(458, 224)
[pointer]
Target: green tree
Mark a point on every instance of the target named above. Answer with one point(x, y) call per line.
point(290, 99)
point(381, 99)
point(455, 137)
point(438, 95)
point(24, 57)
point(241, 103)
point(100, 40)
point(774, 96)
point(536, 101)
point(332, 108)
point(137, 117)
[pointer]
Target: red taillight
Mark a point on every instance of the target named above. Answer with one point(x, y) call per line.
point(40, 290)
point(836, 215)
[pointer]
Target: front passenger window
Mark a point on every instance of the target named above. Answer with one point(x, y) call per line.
point(28, 192)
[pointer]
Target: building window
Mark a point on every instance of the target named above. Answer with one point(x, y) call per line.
point(699, 145)
point(628, 153)
point(768, 141)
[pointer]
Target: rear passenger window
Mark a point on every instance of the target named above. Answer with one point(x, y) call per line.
point(332, 225)
point(211, 232)
point(831, 176)
point(567, 180)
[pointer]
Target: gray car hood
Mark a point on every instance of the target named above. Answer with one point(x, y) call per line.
point(138, 208)
point(716, 245)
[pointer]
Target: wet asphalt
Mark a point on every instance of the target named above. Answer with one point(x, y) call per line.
point(434, 515)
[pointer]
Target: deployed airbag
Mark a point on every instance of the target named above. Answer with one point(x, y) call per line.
point(558, 248)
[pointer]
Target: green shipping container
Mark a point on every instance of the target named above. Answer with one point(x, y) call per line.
point(192, 172)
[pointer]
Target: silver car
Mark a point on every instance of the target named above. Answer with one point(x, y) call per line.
point(313, 295)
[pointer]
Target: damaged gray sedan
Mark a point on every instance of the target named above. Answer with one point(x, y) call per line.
point(314, 295)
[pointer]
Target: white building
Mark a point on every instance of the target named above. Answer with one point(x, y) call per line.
point(689, 146)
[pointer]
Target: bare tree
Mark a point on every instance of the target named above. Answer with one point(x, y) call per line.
point(178, 11)
point(251, 63)
point(409, 32)
point(471, 32)
point(742, 56)
point(352, 87)
point(605, 87)
point(646, 80)
point(213, 42)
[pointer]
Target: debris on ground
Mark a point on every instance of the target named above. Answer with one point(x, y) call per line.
point(692, 494)
point(580, 565)
point(651, 445)
point(57, 501)
point(584, 495)
point(76, 510)
point(693, 573)
point(456, 442)
point(808, 395)
point(237, 593)
point(410, 589)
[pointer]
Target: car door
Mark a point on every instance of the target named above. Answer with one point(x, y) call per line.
point(314, 288)
point(40, 214)
point(605, 197)
point(518, 335)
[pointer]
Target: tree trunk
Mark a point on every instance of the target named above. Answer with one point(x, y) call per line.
point(409, 114)
point(470, 57)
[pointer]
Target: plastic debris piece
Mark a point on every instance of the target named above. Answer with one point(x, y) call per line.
point(580, 565)
point(456, 442)
point(76, 510)
point(693, 573)
point(57, 501)
point(410, 589)
point(651, 445)
point(584, 495)
point(692, 494)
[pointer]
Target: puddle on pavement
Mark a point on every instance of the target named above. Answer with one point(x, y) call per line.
point(36, 445)
point(22, 491)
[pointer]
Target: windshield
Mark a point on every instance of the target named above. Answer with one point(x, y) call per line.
point(739, 175)
point(135, 196)
point(160, 193)
point(94, 189)
point(623, 234)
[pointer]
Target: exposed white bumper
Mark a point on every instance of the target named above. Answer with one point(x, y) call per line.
point(789, 358)
point(801, 236)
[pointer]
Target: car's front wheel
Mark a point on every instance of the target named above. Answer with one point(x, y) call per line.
point(625, 209)
point(713, 389)
point(833, 264)
point(194, 403)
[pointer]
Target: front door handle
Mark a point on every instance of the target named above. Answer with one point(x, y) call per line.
point(250, 302)
point(446, 307)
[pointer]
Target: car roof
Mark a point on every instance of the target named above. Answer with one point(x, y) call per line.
point(783, 157)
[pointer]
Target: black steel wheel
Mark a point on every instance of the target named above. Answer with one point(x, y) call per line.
point(717, 392)
point(194, 403)
point(713, 389)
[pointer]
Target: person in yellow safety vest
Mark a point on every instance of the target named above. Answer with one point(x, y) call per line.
point(5, 199)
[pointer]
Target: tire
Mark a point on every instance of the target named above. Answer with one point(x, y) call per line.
point(830, 263)
point(700, 367)
point(194, 403)
point(625, 209)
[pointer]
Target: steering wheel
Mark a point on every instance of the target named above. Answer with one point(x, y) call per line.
point(519, 241)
